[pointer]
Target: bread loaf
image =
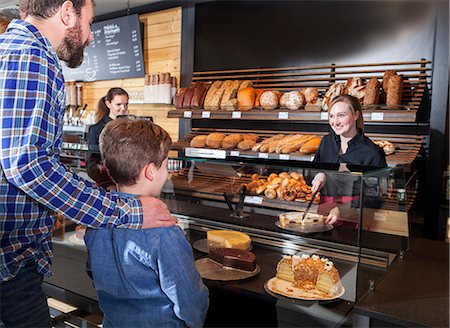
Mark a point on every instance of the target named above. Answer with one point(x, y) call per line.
point(387, 75)
point(188, 97)
point(352, 83)
point(334, 91)
point(231, 141)
point(258, 93)
point(229, 93)
point(394, 90)
point(311, 95)
point(231, 105)
point(215, 87)
point(292, 100)
point(269, 100)
point(179, 98)
point(216, 99)
point(198, 141)
point(250, 136)
point(214, 140)
point(311, 146)
point(246, 145)
point(199, 95)
point(246, 99)
point(245, 84)
point(372, 92)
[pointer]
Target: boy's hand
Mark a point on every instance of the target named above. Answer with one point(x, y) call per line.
point(155, 213)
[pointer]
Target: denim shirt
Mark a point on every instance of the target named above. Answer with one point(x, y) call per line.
point(146, 278)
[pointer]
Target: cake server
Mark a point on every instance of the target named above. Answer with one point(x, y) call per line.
point(309, 205)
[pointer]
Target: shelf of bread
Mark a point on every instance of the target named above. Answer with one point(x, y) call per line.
point(375, 114)
point(388, 92)
point(400, 150)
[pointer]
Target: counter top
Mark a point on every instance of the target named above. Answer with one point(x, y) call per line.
point(415, 292)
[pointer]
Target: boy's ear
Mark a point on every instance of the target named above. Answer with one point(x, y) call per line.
point(149, 171)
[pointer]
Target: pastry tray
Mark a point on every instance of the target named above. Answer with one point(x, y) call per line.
point(213, 270)
point(306, 228)
point(202, 246)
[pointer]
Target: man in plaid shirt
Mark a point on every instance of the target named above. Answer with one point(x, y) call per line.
point(34, 185)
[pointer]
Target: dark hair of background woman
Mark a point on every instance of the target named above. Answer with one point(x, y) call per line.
point(102, 109)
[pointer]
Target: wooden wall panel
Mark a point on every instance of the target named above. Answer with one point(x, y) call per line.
point(162, 53)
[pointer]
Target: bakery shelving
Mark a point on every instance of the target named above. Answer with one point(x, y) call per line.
point(380, 114)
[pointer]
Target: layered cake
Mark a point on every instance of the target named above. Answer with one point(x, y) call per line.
point(235, 258)
point(296, 218)
point(227, 239)
point(309, 272)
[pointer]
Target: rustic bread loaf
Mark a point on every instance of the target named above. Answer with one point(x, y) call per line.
point(215, 87)
point(246, 99)
point(387, 75)
point(292, 100)
point(372, 95)
point(214, 140)
point(188, 97)
point(231, 141)
point(229, 93)
point(179, 98)
point(335, 90)
point(199, 95)
point(198, 141)
point(311, 95)
point(269, 100)
point(394, 90)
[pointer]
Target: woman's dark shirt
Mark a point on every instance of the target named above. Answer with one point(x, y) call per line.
point(361, 151)
point(94, 160)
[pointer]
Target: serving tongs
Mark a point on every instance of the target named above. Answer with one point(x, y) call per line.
point(309, 206)
point(238, 211)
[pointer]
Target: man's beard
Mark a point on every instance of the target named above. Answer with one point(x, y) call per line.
point(71, 49)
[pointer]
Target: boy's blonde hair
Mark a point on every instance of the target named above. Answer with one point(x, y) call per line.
point(127, 144)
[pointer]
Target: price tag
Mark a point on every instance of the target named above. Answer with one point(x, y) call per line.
point(205, 153)
point(379, 216)
point(283, 115)
point(253, 200)
point(263, 155)
point(236, 115)
point(284, 157)
point(234, 153)
point(312, 157)
point(324, 115)
point(187, 114)
point(206, 114)
point(377, 116)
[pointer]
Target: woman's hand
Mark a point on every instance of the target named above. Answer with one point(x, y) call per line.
point(318, 182)
point(333, 216)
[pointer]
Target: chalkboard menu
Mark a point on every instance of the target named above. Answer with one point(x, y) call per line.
point(115, 53)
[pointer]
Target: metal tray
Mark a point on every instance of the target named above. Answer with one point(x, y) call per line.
point(306, 228)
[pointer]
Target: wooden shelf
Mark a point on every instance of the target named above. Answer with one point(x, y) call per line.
point(370, 115)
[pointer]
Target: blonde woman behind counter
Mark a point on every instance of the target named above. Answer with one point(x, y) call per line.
point(113, 104)
point(346, 144)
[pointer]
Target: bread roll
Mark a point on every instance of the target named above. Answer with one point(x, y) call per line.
point(387, 75)
point(251, 137)
point(214, 140)
point(246, 145)
point(372, 95)
point(269, 100)
point(246, 99)
point(258, 93)
point(231, 141)
point(179, 98)
point(311, 95)
point(198, 141)
point(394, 90)
point(311, 146)
point(292, 100)
point(211, 92)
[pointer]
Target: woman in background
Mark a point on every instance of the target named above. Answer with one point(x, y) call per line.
point(113, 104)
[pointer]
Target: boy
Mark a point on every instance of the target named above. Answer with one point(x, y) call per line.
point(143, 277)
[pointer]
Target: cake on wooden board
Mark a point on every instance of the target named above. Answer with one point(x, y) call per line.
point(309, 272)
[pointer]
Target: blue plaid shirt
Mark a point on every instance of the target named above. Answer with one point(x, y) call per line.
point(34, 185)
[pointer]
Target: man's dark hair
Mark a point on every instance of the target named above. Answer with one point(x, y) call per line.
point(46, 8)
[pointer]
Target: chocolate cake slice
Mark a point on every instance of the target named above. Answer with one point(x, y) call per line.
point(235, 258)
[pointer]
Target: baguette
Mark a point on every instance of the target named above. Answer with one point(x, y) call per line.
point(310, 146)
point(289, 148)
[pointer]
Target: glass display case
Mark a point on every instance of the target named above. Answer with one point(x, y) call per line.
point(267, 199)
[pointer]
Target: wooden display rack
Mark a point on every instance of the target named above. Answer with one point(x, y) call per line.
point(416, 75)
